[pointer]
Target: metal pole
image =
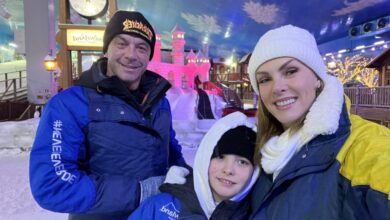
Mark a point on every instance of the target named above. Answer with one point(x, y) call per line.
point(15, 91)
point(20, 79)
point(6, 80)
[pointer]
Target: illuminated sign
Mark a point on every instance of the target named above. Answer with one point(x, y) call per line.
point(84, 38)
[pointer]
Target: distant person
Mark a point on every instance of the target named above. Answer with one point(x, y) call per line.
point(198, 84)
point(223, 175)
point(318, 160)
point(104, 145)
point(38, 112)
point(203, 109)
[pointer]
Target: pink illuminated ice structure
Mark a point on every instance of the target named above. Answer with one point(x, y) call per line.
point(179, 67)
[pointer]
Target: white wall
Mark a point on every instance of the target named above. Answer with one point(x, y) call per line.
point(36, 21)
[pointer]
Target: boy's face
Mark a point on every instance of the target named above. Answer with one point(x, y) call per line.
point(228, 175)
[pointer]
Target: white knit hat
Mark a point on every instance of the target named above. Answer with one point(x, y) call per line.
point(286, 41)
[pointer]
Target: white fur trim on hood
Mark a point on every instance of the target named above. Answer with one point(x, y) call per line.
point(203, 156)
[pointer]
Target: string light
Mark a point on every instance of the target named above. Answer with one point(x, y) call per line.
point(378, 45)
point(359, 47)
point(354, 68)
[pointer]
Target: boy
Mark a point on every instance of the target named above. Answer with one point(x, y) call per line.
point(224, 173)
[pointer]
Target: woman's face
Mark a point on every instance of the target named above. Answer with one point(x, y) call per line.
point(287, 88)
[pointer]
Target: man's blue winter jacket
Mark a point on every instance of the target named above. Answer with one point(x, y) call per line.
point(92, 148)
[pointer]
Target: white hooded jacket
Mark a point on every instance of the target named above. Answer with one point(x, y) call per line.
point(203, 157)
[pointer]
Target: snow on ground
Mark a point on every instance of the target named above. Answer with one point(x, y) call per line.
point(16, 138)
point(16, 202)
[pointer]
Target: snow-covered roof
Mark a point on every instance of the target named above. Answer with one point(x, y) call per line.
point(200, 55)
point(191, 55)
point(177, 28)
point(244, 58)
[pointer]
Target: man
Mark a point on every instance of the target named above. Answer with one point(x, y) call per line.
point(103, 145)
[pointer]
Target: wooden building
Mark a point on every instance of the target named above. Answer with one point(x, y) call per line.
point(382, 64)
point(234, 75)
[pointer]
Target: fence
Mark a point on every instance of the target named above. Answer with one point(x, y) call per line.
point(378, 97)
point(19, 110)
point(230, 96)
point(13, 86)
point(13, 96)
point(229, 77)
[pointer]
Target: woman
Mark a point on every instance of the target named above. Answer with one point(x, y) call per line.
point(224, 173)
point(318, 161)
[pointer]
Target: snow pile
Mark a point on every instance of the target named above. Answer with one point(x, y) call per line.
point(184, 103)
point(17, 136)
point(16, 201)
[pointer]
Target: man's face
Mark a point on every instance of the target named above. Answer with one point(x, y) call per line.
point(128, 58)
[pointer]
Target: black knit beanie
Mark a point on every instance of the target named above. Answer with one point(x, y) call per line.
point(132, 23)
point(238, 141)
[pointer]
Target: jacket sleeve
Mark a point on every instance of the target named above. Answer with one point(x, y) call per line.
point(146, 210)
point(56, 180)
point(367, 167)
point(162, 206)
point(378, 204)
point(372, 181)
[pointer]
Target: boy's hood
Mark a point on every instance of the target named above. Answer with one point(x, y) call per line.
point(203, 156)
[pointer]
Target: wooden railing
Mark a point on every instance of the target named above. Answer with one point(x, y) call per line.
point(13, 85)
point(371, 103)
point(16, 110)
point(229, 77)
point(378, 97)
point(249, 95)
point(230, 96)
